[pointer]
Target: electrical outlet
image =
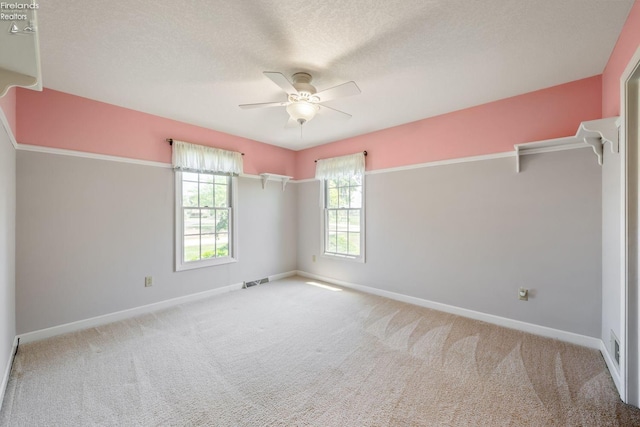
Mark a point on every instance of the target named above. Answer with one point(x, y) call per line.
point(313, 258)
point(523, 294)
point(148, 281)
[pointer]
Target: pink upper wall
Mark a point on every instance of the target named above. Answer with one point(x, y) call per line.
point(8, 106)
point(56, 119)
point(627, 44)
point(489, 128)
point(59, 120)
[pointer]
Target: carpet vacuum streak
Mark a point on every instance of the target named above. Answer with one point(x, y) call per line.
point(291, 354)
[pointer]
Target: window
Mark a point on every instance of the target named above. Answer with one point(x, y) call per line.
point(204, 219)
point(343, 217)
point(205, 205)
point(343, 227)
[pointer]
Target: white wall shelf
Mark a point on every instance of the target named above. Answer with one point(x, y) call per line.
point(274, 177)
point(10, 78)
point(597, 133)
point(594, 133)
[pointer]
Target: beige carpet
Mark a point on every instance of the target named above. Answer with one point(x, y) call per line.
point(292, 354)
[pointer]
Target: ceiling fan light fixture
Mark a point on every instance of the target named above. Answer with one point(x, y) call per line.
point(302, 111)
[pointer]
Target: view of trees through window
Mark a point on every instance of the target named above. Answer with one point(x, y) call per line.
point(206, 211)
point(343, 210)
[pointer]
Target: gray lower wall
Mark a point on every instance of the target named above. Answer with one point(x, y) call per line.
point(7, 248)
point(89, 231)
point(468, 235)
point(471, 234)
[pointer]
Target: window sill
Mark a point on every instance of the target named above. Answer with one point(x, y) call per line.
point(203, 264)
point(346, 258)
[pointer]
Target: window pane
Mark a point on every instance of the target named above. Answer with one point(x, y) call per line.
point(222, 195)
point(222, 245)
point(355, 197)
point(354, 220)
point(332, 220)
point(206, 195)
point(343, 196)
point(222, 220)
point(188, 176)
point(331, 242)
point(342, 242)
point(332, 198)
point(208, 248)
point(189, 194)
point(221, 179)
point(191, 248)
point(207, 221)
point(354, 244)
point(206, 177)
point(191, 221)
point(343, 220)
point(206, 228)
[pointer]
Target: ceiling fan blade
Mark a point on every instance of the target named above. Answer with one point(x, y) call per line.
point(291, 123)
point(340, 91)
point(345, 116)
point(281, 80)
point(263, 104)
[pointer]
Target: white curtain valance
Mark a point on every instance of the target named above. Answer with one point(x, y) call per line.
point(200, 158)
point(340, 167)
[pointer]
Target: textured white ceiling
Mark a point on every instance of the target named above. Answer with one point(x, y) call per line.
point(196, 61)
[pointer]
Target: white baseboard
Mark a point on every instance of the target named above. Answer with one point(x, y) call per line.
point(570, 337)
point(282, 275)
point(613, 368)
point(544, 331)
point(124, 314)
point(120, 315)
point(7, 370)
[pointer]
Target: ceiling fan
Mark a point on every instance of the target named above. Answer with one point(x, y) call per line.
point(303, 101)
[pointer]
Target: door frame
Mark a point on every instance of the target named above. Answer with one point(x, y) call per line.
point(630, 238)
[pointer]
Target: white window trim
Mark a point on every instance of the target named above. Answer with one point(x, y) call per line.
point(180, 265)
point(323, 221)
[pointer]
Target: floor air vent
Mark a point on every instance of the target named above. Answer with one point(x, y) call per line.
point(255, 282)
point(615, 348)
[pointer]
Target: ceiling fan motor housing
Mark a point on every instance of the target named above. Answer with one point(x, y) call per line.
point(302, 83)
